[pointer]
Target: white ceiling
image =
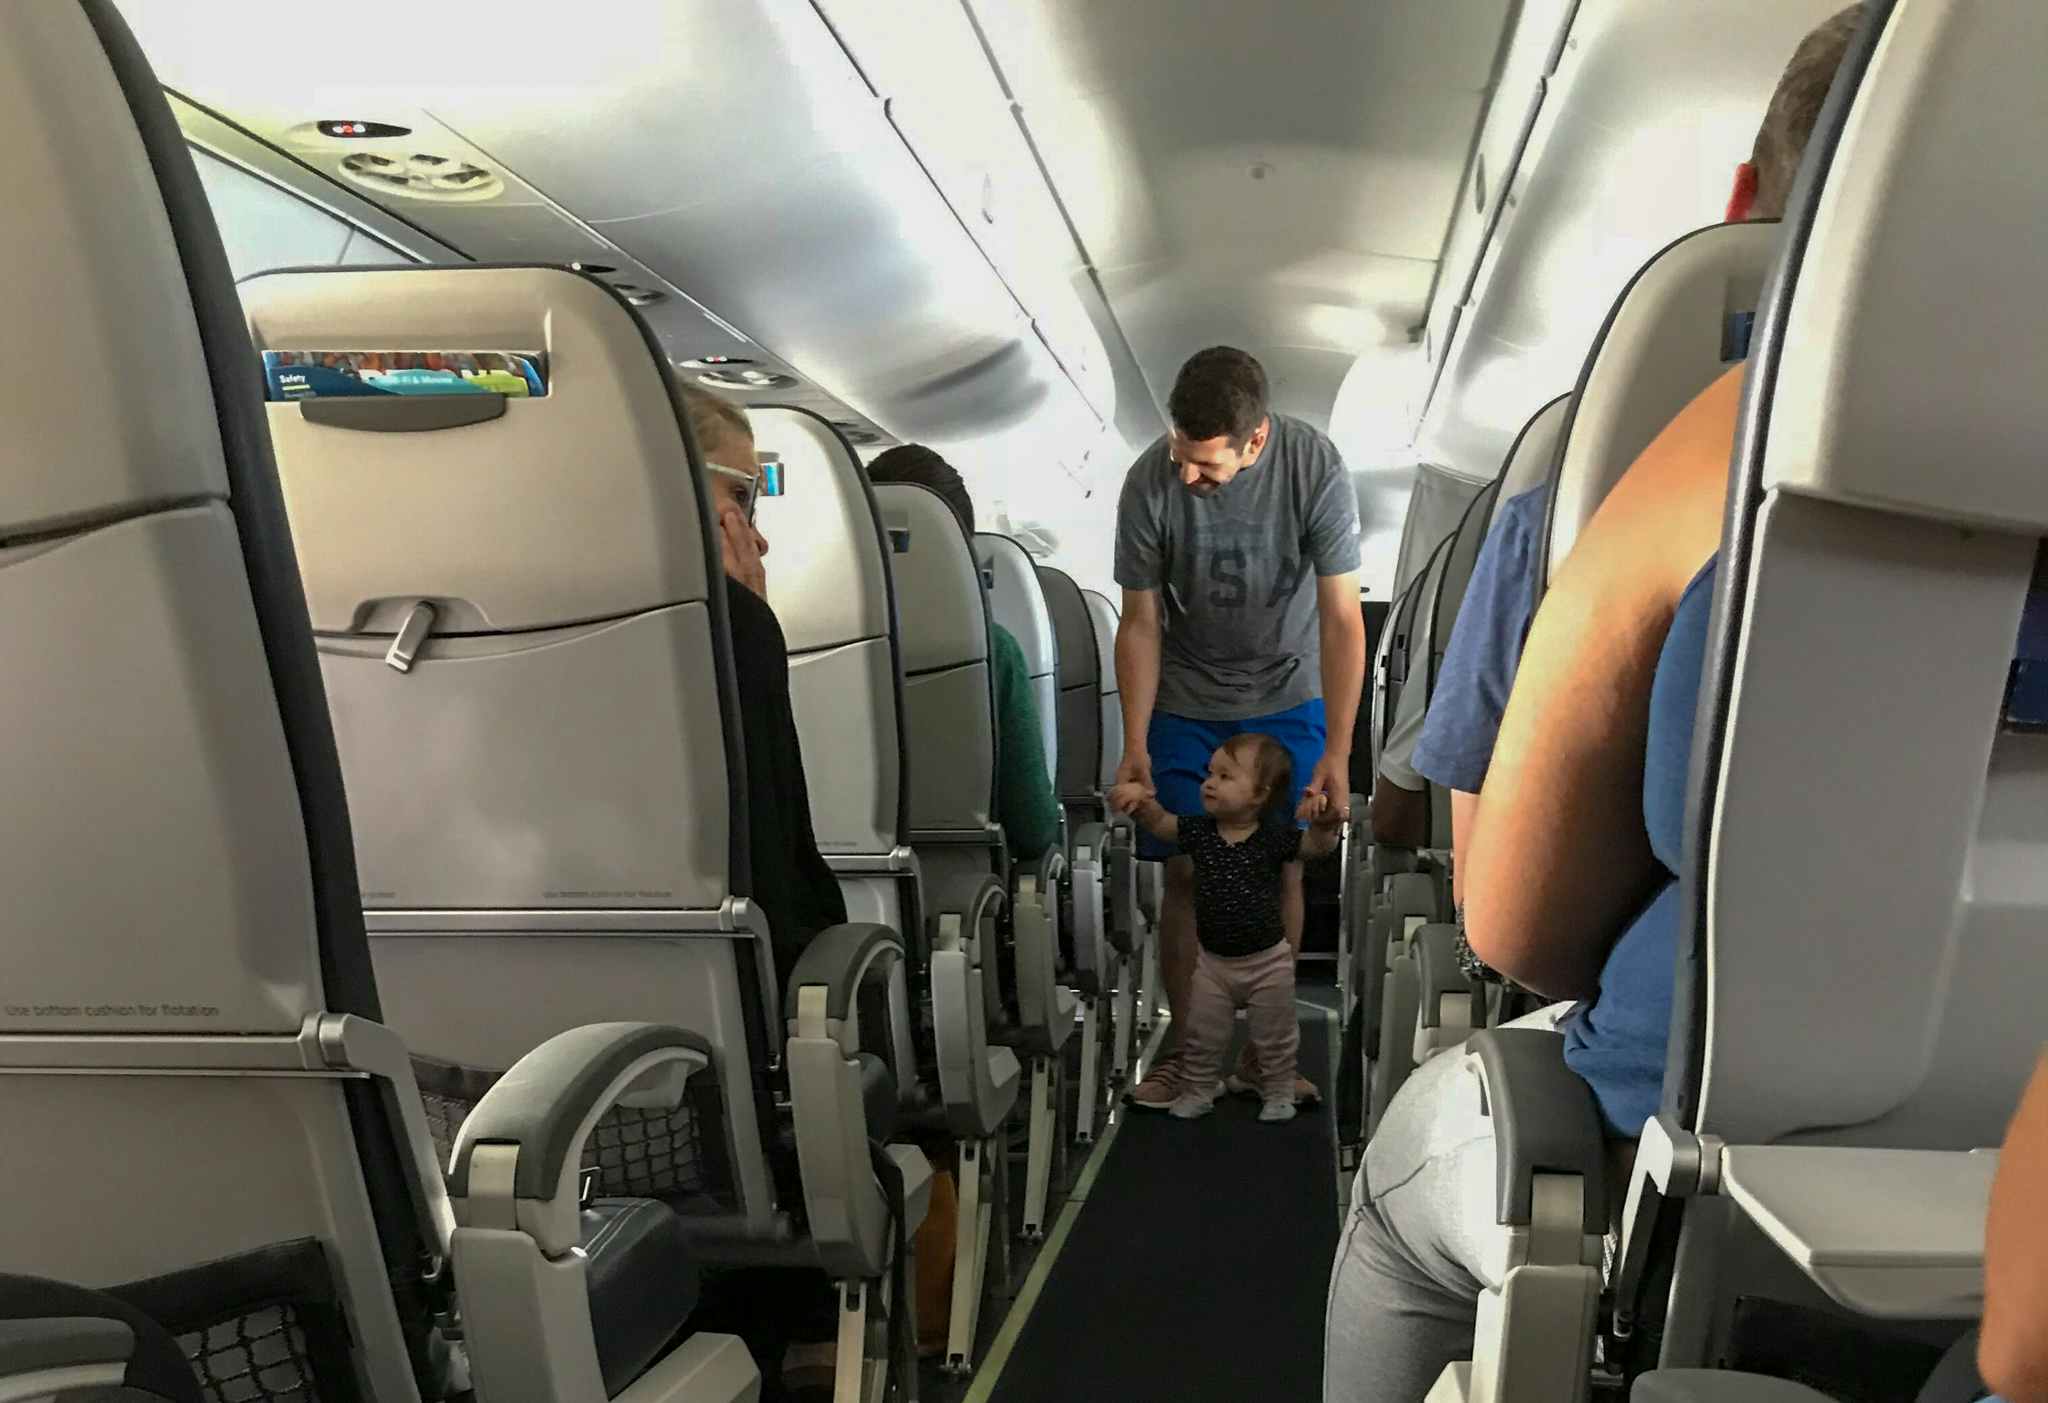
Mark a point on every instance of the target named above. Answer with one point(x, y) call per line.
point(995, 225)
point(1629, 150)
point(1276, 176)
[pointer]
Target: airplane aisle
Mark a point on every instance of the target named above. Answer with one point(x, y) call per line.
point(1196, 1266)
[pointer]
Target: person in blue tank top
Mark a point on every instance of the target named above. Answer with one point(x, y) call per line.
point(1569, 869)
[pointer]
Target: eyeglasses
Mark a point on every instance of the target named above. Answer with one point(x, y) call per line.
point(766, 482)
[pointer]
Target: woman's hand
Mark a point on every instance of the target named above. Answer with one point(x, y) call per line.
point(741, 546)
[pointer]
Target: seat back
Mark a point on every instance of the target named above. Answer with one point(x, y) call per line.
point(547, 779)
point(1866, 944)
point(1017, 602)
point(1528, 458)
point(829, 583)
point(1079, 780)
point(1436, 504)
point(1525, 467)
point(1404, 659)
point(1423, 647)
point(192, 1119)
point(1682, 320)
point(948, 698)
point(1103, 616)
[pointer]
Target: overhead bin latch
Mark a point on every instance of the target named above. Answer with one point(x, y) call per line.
point(412, 635)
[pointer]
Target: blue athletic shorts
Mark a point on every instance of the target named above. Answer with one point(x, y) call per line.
point(1181, 747)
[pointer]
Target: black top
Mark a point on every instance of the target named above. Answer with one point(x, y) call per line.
point(791, 884)
point(1237, 885)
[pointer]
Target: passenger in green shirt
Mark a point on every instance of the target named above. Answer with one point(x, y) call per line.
point(1025, 805)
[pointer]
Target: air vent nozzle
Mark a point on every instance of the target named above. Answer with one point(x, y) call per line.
point(421, 175)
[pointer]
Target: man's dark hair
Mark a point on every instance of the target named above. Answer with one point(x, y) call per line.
point(1220, 392)
point(915, 463)
point(1795, 107)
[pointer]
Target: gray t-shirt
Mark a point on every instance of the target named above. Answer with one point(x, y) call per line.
point(1237, 571)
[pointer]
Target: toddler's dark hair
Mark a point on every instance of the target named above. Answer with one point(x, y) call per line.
point(1270, 765)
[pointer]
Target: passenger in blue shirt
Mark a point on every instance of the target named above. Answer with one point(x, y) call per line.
point(1569, 872)
point(1478, 669)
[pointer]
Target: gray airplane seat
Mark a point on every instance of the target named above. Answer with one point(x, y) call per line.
point(1126, 930)
point(1018, 604)
point(943, 641)
point(1429, 1002)
point(207, 1117)
point(1677, 326)
point(829, 583)
point(1860, 920)
point(532, 691)
point(1103, 615)
point(1046, 1004)
point(1094, 959)
point(1078, 782)
point(1079, 779)
point(1683, 320)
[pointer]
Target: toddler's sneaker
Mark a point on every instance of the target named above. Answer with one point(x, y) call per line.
point(1193, 1106)
point(1273, 1112)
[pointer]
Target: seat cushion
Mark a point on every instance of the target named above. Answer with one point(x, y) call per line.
point(642, 1280)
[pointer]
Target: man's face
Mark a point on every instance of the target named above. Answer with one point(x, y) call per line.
point(1207, 465)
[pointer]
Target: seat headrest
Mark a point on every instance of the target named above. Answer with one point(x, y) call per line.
point(1016, 600)
point(393, 509)
point(93, 282)
point(942, 619)
point(1072, 626)
point(1912, 340)
point(1436, 504)
point(828, 575)
point(1104, 616)
point(1681, 321)
point(1535, 449)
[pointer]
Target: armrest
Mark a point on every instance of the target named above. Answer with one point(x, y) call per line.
point(78, 1338)
point(838, 960)
point(1436, 963)
point(1719, 1386)
point(1412, 893)
point(1093, 837)
point(1544, 1122)
point(832, 969)
point(544, 1109)
point(1892, 1234)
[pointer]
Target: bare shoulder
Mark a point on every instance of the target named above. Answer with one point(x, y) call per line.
point(1663, 519)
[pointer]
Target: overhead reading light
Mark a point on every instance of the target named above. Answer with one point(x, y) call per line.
point(361, 131)
point(421, 175)
point(859, 434)
point(746, 380)
point(712, 362)
point(595, 270)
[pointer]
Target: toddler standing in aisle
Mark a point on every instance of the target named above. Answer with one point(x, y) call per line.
point(1239, 843)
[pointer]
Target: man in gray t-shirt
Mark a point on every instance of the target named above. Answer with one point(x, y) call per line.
point(1237, 551)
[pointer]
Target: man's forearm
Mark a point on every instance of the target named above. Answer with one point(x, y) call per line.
point(1137, 678)
point(1343, 647)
